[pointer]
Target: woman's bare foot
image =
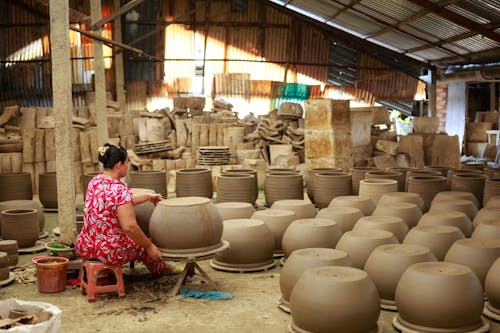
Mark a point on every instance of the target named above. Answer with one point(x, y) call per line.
point(172, 268)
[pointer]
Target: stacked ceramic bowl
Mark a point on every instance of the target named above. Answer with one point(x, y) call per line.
point(194, 183)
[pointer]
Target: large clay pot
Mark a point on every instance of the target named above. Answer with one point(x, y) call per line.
point(15, 186)
point(10, 247)
point(153, 180)
point(455, 195)
point(283, 186)
point(186, 225)
point(465, 206)
point(358, 174)
point(473, 183)
point(360, 244)
point(25, 204)
point(452, 172)
point(439, 297)
point(492, 289)
point(251, 245)
point(397, 197)
point(193, 182)
point(427, 187)
point(236, 187)
point(479, 166)
point(277, 221)
point(437, 238)
point(365, 205)
point(144, 210)
point(234, 210)
point(395, 225)
point(86, 178)
point(331, 185)
point(20, 225)
point(478, 254)
point(303, 259)
point(346, 217)
point(387, 263)
point(375, 188)
point(334, 299)
point(255, 190)
point(486, 214)
point(409, 212)
point(420, 172)
point(302, 208)
point(487, 230)
point(380, 174)
point(493, 201)
point(491, 172)
point(47, 190)
point(310, 179)
point(306, 233)
point(491, 188)
point(452, 218)
point(403, 171)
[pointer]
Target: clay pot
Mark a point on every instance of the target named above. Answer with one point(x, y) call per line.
point(455, 195)
point(306, 233)
point(439, 297)
point(397, 197)
point(235, 210)
point(25, 204)
point(490, 172)
point(487, 230)
point(452, 172)
point(403, 171)
point(437, 238)
point(486, 214)
point(442, 169)
point(387, 263)
point(283, 186)
point(277, 221)
point(469, 183)
point(236, 188)
point(282, 170)
point(302, 209)
point(251, 245)
point(420, 172)
point(375, 188)
point(153, 180)
point(47, 189)
point(334, 299)
point(193, 182)
point(21, 225)
point(478, 254)
point(301, 260)
point(380, 174)
point(186, 225)
point(331, 185)
point(346, 217)
point(491, 188)
point(361, 243)
point(143, 211)
point(409, 212)
point(358, 174)
point(310, 179)
point(493, 201)
point(479, 166)
point(365, 205)
point(252, 172)
point(492, 288)
point(86, 178)
point(10, 247)
point(465, 206)
point(15, 186)
point(452, 218)
point(427, 187)
point(395, 225)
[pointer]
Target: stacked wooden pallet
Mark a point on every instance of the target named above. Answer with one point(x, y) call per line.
point(213, 155)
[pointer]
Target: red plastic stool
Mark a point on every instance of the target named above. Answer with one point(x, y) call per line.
point(91, 278)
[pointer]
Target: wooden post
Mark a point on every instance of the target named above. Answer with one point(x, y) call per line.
point(432, 95)
point(99, 78)
point(62, 101)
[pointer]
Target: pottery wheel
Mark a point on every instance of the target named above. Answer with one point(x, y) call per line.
point(236, 269)
point(184, 256)
point(402, 327)
point(38, 247)
point(491, 312)
point(5, 282)
point(43, 234)
point(295, 329)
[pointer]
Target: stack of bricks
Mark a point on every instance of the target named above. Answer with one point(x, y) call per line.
point(441, 97)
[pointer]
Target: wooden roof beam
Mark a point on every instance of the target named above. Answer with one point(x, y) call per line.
point(353, 2)
point(122, 10)
point(492, 53)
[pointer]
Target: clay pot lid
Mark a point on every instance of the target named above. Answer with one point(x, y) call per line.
point(340, 210)
point(315, 222)
point(437, 229)
point(379, 181)
point(370, 234)
point(233, 204)
point(137, 190)
point(292, 202)
point(242, 223)
point(328, 254)
point(184, 201)
point(382, 219)
point(8, 242)
point(352, 198)
point(274, 212)
point(441, 268)
point(479, 243)
point(338, 273)
point(407, 250)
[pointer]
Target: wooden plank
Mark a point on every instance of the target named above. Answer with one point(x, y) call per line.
point(212, 135)
point(75, 138)
point(5, 164)
point(85, 149)
point(39, 145)
point(412, 145)
point(28, 118)
point(28, 135)
point(220, 134)
point(30, 168)
point(204, 134)
point(50, 145)
point(94, 145)
point(39, 169)
point(16, 162)
point(446, 151)
point(195, 137)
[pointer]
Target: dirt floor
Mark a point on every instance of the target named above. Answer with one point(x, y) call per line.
point(149, 306)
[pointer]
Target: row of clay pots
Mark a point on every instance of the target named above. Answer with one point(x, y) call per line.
point(193, 183)
point(15, 186)
point(10, 247)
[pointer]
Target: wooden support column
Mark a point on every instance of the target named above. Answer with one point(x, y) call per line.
point(99, 78)
point(62, 104)
point(432, 95)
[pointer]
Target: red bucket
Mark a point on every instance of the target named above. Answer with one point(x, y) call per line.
point(51, 273)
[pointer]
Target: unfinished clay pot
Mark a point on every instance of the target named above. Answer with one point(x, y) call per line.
point(334, 299)
point(437, 238)
point(234, 210)
point(491, 188)
point(306, 233)
point(186, 225)
point(277, 221)
point(387, 263)
point(310, 179)
point(486, 214)
point(10, 247)
point(487, 230)
point(365, 205)
point(493, 201)
point(153, 180)
point(360, 244)
point(143, 211)
point(492, 289)
point(397, 197)
point(251, 245)
point(15, 186)
point(479, 166)
point(455, 195)
point(381, 174)
point(331, 185)
point(439, 297)
point(236, 187)
point(47, 190)
point(403, 171)
point(255, 190)
point(452, 218)
point(283, 186)
point(442, 169)
point(465, 206)
point(303, 259)
point(86, 178)
point(375, 188)
point(409, 212)
point(358, 174)
point(346, 217)
point(452, 172)
point(478, 254)
point(491, 172)
point(21, 225)
point(427, 187)
point(395, 225)
point(420, 172)
point(193, 182)
point(473, 183)
point(25, 204)
point(302, 208)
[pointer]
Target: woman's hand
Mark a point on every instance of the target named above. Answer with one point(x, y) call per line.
point(155, 198)
point(153, 252)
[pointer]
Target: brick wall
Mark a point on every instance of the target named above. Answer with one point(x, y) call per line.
point(441, 97)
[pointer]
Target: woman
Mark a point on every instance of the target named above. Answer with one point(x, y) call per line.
point(110, 232)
